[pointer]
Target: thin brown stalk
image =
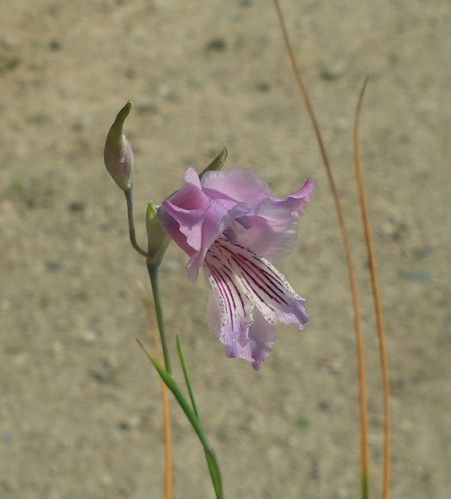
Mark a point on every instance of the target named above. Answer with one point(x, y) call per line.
point(375, 286)
point(167, 426)
point(358, 323)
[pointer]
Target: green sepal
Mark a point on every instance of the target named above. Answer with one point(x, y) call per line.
point(158, 239)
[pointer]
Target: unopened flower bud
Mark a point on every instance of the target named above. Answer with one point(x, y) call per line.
point(216, 164)
point(118, 153)
point(157, 236)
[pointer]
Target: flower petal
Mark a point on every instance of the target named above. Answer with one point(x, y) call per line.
point(219, 216)
point(192, 177)
point(262, 338)
point(263, 284)
point(272, 229)
point(241, 185)
point(182, 213)
point(230, 313)
point(234, 203)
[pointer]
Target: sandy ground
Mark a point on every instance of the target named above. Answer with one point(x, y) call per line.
point(80, 409)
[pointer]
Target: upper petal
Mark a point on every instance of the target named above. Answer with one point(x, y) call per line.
point(238, 203)
point(295, 203)
point(220, 215)
point(192, 177)
point(182, 215)
point(240, 185)
point(272, 229)
point(196, 216)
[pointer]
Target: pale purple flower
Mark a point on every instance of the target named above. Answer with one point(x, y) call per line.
point(228, 223)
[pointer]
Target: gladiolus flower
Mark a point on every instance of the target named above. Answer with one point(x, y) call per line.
point(229, 223)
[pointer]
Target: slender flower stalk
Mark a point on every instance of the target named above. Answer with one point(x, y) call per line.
point(167, 426)
point(118, 157)
point(154, 281)
point(131, 223)
point(157, 244)
point(119, 160)
point(358, 323)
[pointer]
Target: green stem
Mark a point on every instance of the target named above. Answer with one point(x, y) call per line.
point(365, 487)
point(131, 224)
point(154, 281)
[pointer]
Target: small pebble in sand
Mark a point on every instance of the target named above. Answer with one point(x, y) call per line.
point(217, 44)
point(76, 206)
point(333, 70)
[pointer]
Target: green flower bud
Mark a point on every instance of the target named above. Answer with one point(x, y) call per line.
point(157, 236)
point(118, 154)
point(216, 164)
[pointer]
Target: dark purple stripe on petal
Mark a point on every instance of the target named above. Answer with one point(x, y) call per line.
point(251, 289)
point(226, 284)
point(228, 272)
point(275, 279)
point(258, 273)
point(267, 287)
point(261, 267)
point(225, 296)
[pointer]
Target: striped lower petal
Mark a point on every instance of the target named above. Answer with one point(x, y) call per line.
point(249, 297)
point(230, 312)
point(262, 284)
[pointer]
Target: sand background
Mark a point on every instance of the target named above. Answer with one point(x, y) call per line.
point(80, 412)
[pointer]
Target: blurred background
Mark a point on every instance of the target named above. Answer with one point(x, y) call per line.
point(80, 412)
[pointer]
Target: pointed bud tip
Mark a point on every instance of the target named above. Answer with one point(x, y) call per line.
point(118, 154)
point(123, 113)
point(217, 163)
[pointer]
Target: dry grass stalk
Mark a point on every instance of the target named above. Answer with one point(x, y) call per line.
point(358, 323)
point(375, 287)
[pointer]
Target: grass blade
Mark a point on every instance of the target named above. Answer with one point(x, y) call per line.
point(377, 299)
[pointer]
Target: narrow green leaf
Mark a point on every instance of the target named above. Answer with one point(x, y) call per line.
point(186, 376)
point(211, 460)
point(210, 456)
